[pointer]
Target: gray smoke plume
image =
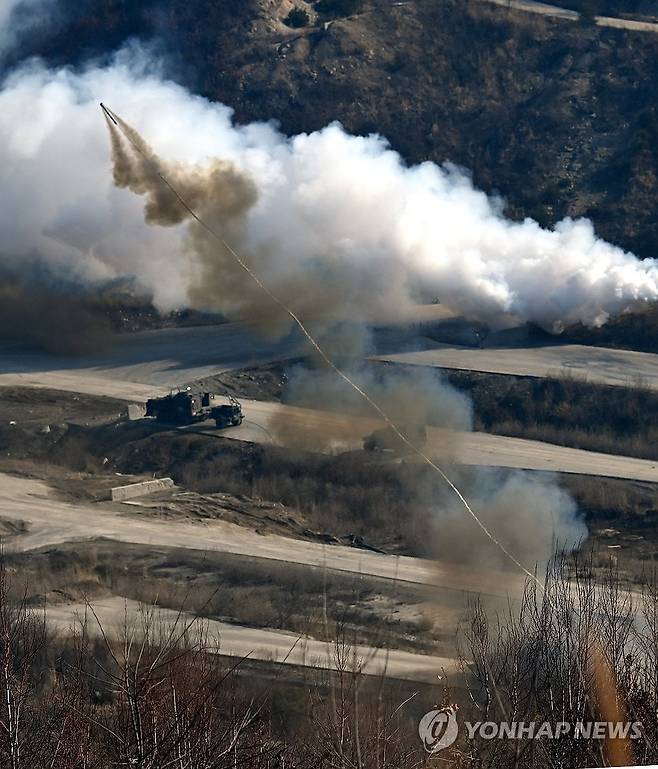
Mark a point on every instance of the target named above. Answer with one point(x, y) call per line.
point(337, 226)
point(216, 191)
point(530, 513)
point(410, 398)
point(221, 195)
point(50, 319)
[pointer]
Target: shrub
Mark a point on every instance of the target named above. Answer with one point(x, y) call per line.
point(339, 7)
point(588, 11)
point(297, 18)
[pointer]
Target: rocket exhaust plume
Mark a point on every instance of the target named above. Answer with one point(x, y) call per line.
point(108, 114)
point(144, 173)
point(337, 225)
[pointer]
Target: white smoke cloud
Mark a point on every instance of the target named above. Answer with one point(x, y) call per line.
point(343, 209)
point(336, 216)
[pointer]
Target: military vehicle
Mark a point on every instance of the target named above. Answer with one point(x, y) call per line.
point(228, 415)
point(187, 408)
point(386, 439)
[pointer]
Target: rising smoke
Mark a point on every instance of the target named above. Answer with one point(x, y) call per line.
point(528, 512)
point(531, 515)
point(50, 318)
point(336, 224)
point(410, 398)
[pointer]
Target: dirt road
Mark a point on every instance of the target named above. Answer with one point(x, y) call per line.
point(258, 644)
point(52, 521)
point(555, 12)
point(143, 364)
point(322, 430)
point(147, 363)
point(150, 363)
point(623, 368)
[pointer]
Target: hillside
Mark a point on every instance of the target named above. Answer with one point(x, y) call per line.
point(558, 117)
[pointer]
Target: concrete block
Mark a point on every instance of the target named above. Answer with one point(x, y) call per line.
point(136, 411)
point(119, 493)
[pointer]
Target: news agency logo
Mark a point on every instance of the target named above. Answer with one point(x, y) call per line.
point(439, 729)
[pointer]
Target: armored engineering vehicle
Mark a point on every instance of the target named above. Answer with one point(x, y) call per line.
point(187, 408)
point(385, 439)
point(228, 415)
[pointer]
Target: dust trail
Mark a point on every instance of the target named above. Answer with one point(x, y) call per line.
point(221, 193)
point(529, 512)
point(219, 189)
point(412, 398)
point(156, 172)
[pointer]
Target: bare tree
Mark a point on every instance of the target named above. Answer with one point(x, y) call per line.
point(580, 651)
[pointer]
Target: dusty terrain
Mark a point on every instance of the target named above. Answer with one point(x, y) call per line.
point(246, 591)
point(294, 426)
point(150, 363)
point(160, 359)
point(267, 645)
point(51, 522)
point(80, 444)
point(624, 368)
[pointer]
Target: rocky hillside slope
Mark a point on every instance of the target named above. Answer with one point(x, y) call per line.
point(558, 117)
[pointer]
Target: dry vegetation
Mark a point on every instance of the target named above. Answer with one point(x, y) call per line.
point(155, 695)
point(247, 591)
point(40, 407)
point(622, 518)
point(583, 650)
point(352, 498)
point(348, 494)
point(566, 411)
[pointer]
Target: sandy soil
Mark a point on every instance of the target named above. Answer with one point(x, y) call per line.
point(51, 521)
point(241, 641)
point(624, 368)
point(554, 11)
point(323, 430)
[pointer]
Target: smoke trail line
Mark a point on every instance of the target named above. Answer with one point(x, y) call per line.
point(138, 147)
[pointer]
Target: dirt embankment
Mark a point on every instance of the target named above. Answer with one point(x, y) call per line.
point(243, 590)
point(40, 408)
point(267, 382)
point(83, 448)
point(352, 499)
